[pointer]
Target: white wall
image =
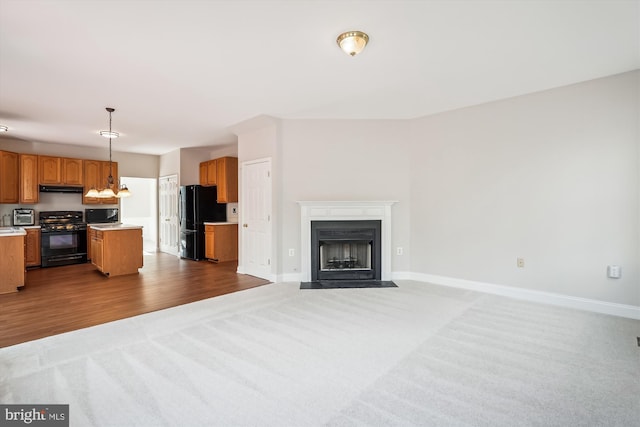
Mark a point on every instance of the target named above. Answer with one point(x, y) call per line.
point(552, 177)
point(344, 160)
point(170, 164)
point(258, 139)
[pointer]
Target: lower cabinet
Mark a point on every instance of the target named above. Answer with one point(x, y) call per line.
point(12, 263)
point(116, 252)
point(221, 242)
point(32, 247)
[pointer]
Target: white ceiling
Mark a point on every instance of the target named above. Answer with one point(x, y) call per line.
point(180, 73)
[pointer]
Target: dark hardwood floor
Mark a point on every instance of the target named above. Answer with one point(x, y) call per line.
point(61, 299)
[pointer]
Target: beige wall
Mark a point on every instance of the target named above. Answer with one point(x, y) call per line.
point(344, 160)
point(552, 177)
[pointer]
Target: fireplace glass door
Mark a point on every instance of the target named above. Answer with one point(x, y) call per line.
point(345, 255)
point(345, 250)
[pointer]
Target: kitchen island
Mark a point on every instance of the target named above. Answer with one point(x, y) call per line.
point(12, 271)
point(116, 249)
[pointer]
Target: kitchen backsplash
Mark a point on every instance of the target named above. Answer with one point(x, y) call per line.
point(73, 202)
point(53, 202)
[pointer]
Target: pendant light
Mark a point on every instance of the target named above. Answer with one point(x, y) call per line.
point(107, 192)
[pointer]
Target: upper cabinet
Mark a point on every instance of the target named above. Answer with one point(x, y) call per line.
point(96, 173)
point(8, 177)
point(223, 173)
point(49, 170)
point(208, 175)
point(60, 171)
point(72, 171)
point(29, 193)
point(227, 179)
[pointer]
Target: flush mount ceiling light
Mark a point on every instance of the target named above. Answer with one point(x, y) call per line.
point(4, 128)
point(109, 134)
point(107, 192)
point(352, 42)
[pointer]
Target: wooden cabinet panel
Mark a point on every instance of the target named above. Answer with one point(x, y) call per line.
point(117, 252)
point(11, 263)
point(227, 170)
point(212, 174)
point(97, 250)
point(203, 173)
point(29, 191)
point(208, 173)
point(72, 171)
point(50, 170)
point(221, 242)
point(9, 187)
point(32, 247)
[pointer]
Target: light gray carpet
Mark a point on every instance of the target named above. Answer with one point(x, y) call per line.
point(277, 356)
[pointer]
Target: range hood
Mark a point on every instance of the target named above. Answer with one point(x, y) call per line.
point(61, 189)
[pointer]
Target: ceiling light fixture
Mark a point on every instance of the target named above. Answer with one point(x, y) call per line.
point(352, 42)
point(109, 134)
point(107, 192)
point(4, 128)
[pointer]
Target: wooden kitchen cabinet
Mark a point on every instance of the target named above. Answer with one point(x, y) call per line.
point(117, 251)
point(221, 242)
point(72, 171)
point(208, 173)
point(49, 170)
point(223, 173)
point(9, 187)
point(32, 247)
point(97, 246)
point(12, 272)
point(96, 173)
point(29, 191)
point(60, 171)
point(227, 179)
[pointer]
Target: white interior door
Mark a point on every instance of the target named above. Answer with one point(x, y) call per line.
point(256, 218)
point(168, 214)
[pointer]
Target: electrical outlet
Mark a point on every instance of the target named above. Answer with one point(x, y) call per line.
point(520, 262)
point(234, 211)
point(292, 252)
point(399, 250)
point(614, 271)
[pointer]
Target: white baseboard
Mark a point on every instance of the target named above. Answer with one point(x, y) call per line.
point(604, 307)
point(289, 277)
point(614, 309)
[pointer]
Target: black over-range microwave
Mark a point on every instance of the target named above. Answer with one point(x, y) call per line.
point(98, 216)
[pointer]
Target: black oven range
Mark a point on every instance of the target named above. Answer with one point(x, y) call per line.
point(63, 238)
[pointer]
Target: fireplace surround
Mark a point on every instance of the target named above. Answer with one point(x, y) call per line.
point(311, 211)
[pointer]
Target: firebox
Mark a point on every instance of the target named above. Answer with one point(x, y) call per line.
point(345, 250)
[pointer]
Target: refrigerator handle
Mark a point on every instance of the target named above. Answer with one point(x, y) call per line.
point(180, 209)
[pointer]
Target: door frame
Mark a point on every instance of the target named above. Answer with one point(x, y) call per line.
point(242, 268)
point(176, 250)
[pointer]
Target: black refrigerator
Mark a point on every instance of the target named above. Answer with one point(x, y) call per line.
point(197, 206)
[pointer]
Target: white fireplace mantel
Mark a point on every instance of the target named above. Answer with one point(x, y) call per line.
point(345, 211)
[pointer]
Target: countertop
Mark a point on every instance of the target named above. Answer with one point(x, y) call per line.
point(220, 223)
point(12, 231)
point(112, 227)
